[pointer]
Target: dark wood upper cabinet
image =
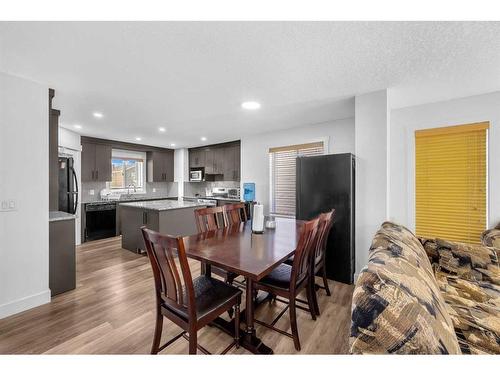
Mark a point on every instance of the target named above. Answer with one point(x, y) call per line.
point(197, 158)
point(209, 161)
point(103, 155)
point(96, 162)
point(221, 159)
point(88, 161)
point(160, 166)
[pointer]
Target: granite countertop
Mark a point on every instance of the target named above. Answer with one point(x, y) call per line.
point(163, 205)
point(214, 198)
point(133, 199)
point(60, 215)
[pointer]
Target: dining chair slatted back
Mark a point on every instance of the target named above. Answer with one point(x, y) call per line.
point(210, 218)
point(302, 258)
point(170, 281)
point(235, 213)
point(325, 225)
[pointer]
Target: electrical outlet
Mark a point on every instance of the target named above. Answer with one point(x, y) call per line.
point(154, 190)
point(91, 192)
point(8, 205)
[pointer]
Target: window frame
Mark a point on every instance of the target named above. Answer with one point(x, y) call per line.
point(272, 177)
point(119, 154)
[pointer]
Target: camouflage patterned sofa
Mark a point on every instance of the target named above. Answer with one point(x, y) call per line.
point(426, 297)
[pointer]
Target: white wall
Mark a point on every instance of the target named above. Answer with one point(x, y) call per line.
point(255, 149)
point(69, 143)
point(405, 121)
point(24, 171)
point(372, 160)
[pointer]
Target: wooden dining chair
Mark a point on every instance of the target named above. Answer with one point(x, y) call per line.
point(191, 304)
point(318, 265)
point(235, 213)
point(209, 218)
point(288, 281)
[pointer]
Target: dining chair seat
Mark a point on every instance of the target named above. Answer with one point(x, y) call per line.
point(210, 294)
point(279, 277)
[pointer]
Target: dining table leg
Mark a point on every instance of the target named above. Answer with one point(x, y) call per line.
point(250, 341)
point(249, 308)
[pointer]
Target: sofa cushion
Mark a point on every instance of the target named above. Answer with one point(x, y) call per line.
point(469, 262)
point(491, 237)
point(474, 307)
point(397, 305)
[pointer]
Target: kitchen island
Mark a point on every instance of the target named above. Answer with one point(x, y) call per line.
point(173, 217)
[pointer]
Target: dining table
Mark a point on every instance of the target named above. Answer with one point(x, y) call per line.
point(238, 250)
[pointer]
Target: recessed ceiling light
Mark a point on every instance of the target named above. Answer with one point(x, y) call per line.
point(162, 129)
point(203, 139)
point(76, 126)
point(250, 105)
point(172, 144)
point(138, 138)
point(98, 114)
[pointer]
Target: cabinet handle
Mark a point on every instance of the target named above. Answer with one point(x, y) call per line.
point(92, 175)
point(97, 174)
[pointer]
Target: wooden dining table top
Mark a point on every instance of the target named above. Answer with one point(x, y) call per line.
point(238, 250)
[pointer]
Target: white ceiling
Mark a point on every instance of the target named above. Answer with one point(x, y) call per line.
point(191, 77)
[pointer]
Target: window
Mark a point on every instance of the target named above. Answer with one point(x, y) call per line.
point(451, 182)
point(127, 168)
point(282, 175)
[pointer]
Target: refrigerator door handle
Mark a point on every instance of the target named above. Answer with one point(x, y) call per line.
point(76, 190)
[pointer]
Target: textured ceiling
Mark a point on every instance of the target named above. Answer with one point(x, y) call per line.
point(191, 77)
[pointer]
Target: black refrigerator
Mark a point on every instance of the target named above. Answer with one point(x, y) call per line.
point(68, 186)
point(323, 183)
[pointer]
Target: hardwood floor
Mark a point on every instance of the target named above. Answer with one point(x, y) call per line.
point(111, 311)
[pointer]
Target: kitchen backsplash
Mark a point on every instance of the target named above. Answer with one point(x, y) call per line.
point(193, 188)
point(163, 189)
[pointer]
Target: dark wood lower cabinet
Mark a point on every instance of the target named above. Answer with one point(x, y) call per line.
point(62, 258)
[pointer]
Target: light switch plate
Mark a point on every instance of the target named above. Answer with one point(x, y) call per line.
point(8, 205)
point(91, 192)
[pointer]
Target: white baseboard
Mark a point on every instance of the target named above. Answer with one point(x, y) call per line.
point(24, 303)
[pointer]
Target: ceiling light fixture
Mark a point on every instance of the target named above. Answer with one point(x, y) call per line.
point(76, 126)
point(138, 138)
point(163, 130)
point(172, 144)
point(98, 115)
point(203, 139)
point(250, 105)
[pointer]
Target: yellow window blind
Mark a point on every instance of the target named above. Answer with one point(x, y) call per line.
point(451, 182)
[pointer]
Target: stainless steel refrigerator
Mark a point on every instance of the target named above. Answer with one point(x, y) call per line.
point(68, 186)
point(325, 182)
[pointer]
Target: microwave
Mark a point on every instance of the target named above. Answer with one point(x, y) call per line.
point(196, 175)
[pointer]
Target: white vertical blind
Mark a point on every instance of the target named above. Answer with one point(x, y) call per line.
point(282, 164)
